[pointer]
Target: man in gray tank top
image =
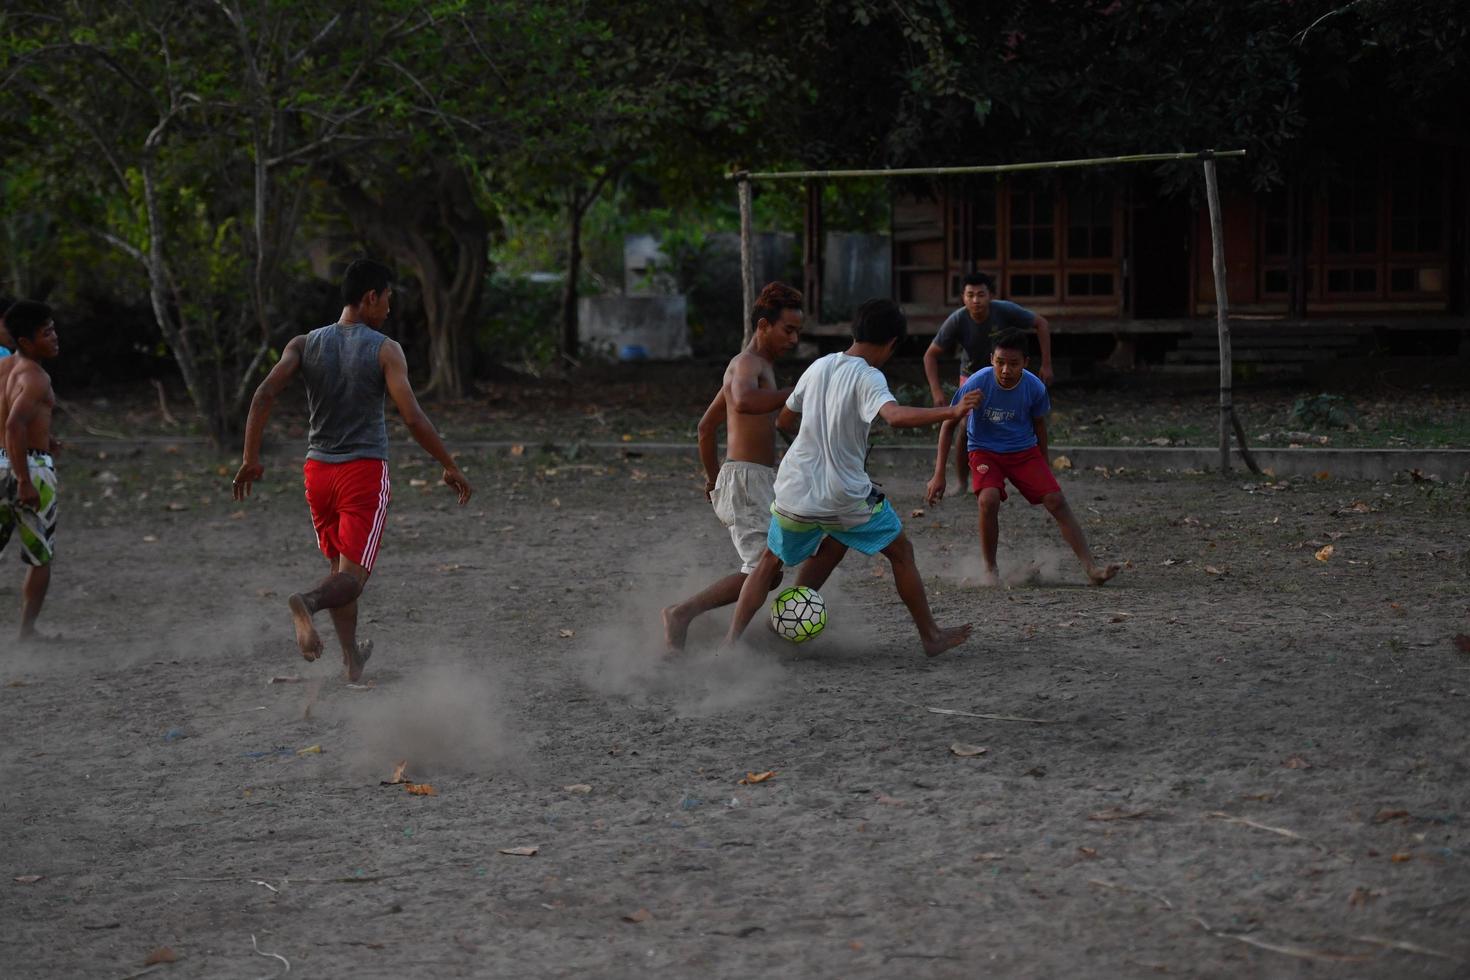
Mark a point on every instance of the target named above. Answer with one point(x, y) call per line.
point(348, 367)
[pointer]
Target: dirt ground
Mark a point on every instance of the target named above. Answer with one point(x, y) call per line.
point(1235, 760)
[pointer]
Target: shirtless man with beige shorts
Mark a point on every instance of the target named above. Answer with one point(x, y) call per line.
point(743, 489)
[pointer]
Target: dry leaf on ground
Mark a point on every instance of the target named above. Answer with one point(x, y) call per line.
point(887, 800)
point(1384, 816)
point(968, 751)
point(566, 634)
point(642, 915)
point(28, 879)
point(1212, 570)
point(521, 852)
point(284, 679)
point(420, 789)
point(1088, 852)
point(917, 512)
point(1061, 463)
point(161, 955)
point(988, 856)
point(1117, 813)
point(1401, 857)
point(578, 788)
point(1325, 553)
point(1362, 896)
point(1296, 762)
point(751, 778)
point(310, 750)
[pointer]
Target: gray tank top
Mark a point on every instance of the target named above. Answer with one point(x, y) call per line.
point(344, 393)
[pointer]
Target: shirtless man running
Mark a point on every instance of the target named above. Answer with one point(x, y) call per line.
point(742, 490)
point(27, 471)
point(348, 366)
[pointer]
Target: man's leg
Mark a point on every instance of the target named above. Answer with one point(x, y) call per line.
point(758, 585)
point(676, 618)
point(33, 594)
point(337, 591)
point(989, 501)
point(962, 451)
point(900, 554)
point(1056, 504)
point(344, 621)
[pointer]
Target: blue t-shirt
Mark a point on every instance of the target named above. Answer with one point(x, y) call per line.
point(973, 339)
point(1002, 423)
point(4, 351)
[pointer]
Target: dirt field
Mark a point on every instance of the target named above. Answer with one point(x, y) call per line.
point(1236, 760)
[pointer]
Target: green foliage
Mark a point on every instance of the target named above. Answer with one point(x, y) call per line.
point(1324, 411)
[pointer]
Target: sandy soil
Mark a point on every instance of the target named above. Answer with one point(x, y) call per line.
point(1237, 760)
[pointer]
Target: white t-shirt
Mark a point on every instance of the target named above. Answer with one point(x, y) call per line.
point(822, 478)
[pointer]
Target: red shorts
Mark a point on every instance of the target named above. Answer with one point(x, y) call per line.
point(1027, 471)
point(349, 503)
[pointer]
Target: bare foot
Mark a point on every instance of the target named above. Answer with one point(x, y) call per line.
point(1099, 575)
point(355, 662)
point(306, 638)
point(676, 629)
point(946, 639)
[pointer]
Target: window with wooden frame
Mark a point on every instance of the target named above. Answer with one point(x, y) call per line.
point(1031, 266)
point(1418, 201)
point(1352, 236)
point(1092, 245)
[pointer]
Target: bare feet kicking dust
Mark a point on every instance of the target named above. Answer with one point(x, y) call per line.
point(1100, 574)
point(355, 662)
point(306, 636)
point(946, 639)
point(676, 630)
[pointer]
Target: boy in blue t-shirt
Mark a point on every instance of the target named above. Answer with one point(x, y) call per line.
point(1007, 441)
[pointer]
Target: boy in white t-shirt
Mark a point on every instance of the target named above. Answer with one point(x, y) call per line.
point(825, 500)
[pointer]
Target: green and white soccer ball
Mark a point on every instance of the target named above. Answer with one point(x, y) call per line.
point(798, 613)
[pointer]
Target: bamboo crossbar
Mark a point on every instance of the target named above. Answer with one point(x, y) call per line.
point(1001, 168)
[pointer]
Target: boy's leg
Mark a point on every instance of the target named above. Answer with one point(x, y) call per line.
point(819, 567)
point(936, 640)
point(962, 450)
point(989, 503)
point(1056, 504)
point(753, 592)
point(33, 595)
point(676, 618)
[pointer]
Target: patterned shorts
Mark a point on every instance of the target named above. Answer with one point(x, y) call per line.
point(37, 528)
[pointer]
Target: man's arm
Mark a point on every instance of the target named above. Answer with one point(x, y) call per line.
point(788, 423)
point(746, 394)
point(260, 411)
point(1039, 424)
point(709, 448)
point(906, 417)
point(25, 398)
point(395, 376)
point(1043, 339)
point(931, 372)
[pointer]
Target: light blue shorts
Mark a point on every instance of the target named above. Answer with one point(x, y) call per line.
point(794, 542)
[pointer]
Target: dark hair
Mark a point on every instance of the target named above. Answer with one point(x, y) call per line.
point(979, 279)
point(777, 296)
point(1011, 340)
point(878, 321)
point(5, 303)
point(24, 318)
point(362, 277)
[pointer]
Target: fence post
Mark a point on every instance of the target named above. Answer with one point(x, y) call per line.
point(747, 261)
point(1222, 308)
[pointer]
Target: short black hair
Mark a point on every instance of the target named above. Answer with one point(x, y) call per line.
point(1012, 340)
point(878, 321)
point(364, 276)
point(979, 279)
point(26, 317)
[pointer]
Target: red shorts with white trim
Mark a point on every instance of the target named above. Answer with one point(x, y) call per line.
point(349, 504)
point(1027, 471)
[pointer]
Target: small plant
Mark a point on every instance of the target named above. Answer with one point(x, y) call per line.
point(1324, 410)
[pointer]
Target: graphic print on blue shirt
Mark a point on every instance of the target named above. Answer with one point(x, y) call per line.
point(1002, 423)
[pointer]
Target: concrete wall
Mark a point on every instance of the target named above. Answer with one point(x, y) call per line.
point(651, 328)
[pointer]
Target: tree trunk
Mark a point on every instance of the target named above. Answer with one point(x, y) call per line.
point(570, 341)
point(434, 229)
